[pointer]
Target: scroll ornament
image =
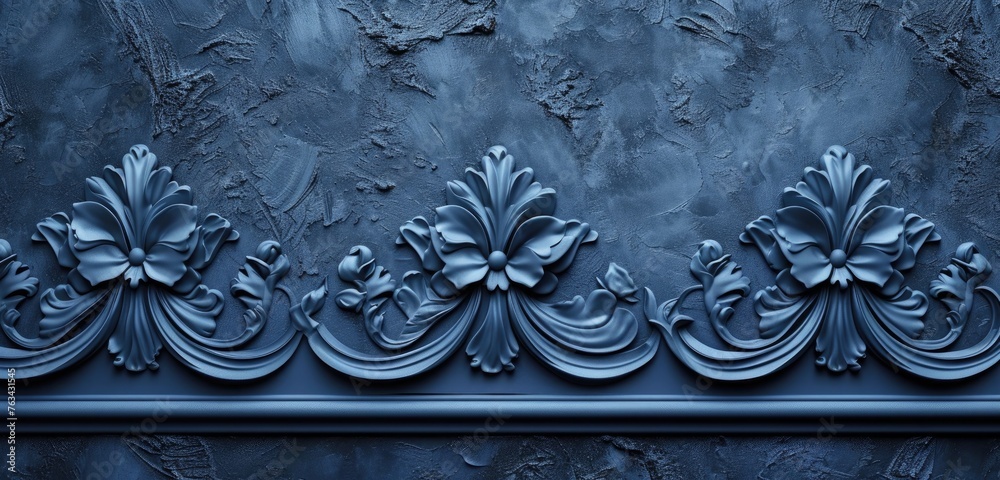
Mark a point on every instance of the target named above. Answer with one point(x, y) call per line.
point(488, 258)
point(840, 255)
point(134, 250)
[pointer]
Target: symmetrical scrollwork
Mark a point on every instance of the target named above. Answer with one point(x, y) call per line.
point(487, 257)
point(136, 246)
point(840, 257)
point(16, 284)
point(135, 249)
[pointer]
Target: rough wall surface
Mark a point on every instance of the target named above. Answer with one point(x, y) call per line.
point(326, 124)
point(505, 457)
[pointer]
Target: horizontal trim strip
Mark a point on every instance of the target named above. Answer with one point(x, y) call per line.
point(489, 415)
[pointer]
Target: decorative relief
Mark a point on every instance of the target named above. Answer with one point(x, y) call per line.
point(488, 257)
point(840, 255)
point(489, 260)
point(16, 284)
point(135, 248)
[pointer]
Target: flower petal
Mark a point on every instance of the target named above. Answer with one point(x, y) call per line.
point(358, 265)
point(839, 167)
point(350, 299)
point(190, 281)
point(110, 192)
point(810, 266)
point(618, 281)
point(761, 233)
point(472, 195)
point(869, 264)
point(138, 166)
point(211, 235)
point(539, 235)
point(916, 232)
point(525, 268)
point(55, 231)
point(134, 275)
point(841, 277)
point(875, 244)
point(577, 234)
point(816, 186)
point(94, 224)
point(459, 229)
point(417, 234)
point(545, 241)
point(866, 190)
point(495, 280)
point(108, 189)
point(164, 264)
point(464, 267)
point(800, 228)
point(166, 193)
point(173, 227)
point(881, 228)
point(101, 263)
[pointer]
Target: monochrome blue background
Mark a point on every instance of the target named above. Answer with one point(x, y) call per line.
point(328, 124)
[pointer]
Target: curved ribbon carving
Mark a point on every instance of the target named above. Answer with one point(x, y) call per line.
point(487, 257)
point(840, 257)
point(135, 248)
point(16, 284)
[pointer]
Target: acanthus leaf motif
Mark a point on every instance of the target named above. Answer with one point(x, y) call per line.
point(487, 256)
point(135, 248)
point(618, 281)
point(840, 257)
point(16, 284)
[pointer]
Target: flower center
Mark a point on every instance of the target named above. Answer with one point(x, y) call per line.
point(136, 257)
point(497, 260)
point(838, 258)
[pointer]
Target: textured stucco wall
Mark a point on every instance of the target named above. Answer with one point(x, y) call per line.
point(329, 123)
point(792, 458)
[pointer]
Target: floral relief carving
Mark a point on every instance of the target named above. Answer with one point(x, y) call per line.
point(16, 284)
point(135, 248)
point(840, 256)
point(487, 257)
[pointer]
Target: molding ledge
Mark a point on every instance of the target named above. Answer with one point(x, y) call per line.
point(489, 260)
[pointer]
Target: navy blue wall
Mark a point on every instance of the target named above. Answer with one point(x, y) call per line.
point(651, 119)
